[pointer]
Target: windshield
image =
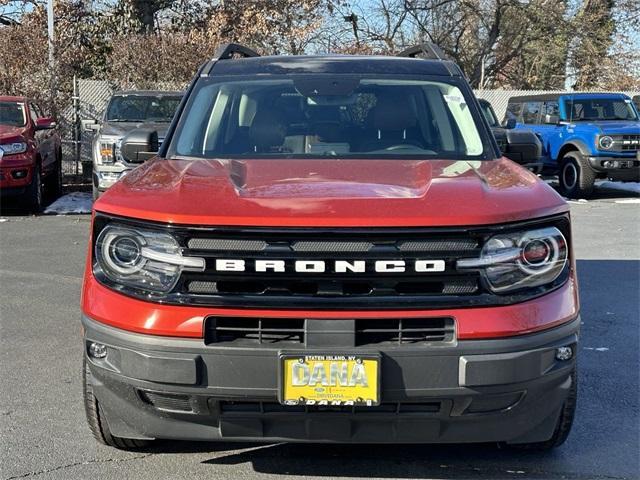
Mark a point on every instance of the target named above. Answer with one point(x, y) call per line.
point(139, 108)
point(594, 109)
point(488, 114)
point(321, 115)
point(12, 114)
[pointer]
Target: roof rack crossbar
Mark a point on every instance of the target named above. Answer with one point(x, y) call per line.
point(428, 49)
point(228, 51)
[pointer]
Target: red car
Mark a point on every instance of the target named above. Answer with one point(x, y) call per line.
point(30, 152)
point(329, 249)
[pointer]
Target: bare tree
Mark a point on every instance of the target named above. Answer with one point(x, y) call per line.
point(510, 43)
point(277, 26)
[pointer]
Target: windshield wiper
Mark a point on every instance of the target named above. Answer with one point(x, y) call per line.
point(605, 119)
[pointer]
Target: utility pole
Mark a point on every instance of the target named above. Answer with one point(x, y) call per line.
point(52, 65)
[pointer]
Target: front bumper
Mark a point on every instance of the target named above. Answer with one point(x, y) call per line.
point(470, 391)
point(16, 173)
point(618, 167)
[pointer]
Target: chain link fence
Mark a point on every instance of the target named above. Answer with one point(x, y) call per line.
point(91, 97)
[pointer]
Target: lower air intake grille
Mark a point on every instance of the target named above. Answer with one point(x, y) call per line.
point(405, 331)
point(243, 408)
point(255, 330)
point(166, 402)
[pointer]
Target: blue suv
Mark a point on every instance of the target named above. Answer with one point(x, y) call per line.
point(584, 136)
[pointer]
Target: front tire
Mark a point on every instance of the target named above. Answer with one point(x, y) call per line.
point(33, 195)
point(576, 176)
point(96, 420)
point(54, 182)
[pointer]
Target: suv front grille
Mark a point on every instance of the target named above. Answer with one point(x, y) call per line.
point(626, 143)
point(344, 273)
point(451, 286)
point(255, 330)
point(404, 331)
point(331, 288)
point(284, 332)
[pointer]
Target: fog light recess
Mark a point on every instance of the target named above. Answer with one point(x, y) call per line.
point(564, 353)
point(97, 350)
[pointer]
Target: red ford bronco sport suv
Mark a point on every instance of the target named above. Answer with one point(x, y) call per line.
point(329, 249)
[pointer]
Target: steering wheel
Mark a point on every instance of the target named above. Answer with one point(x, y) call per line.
point(403, 146)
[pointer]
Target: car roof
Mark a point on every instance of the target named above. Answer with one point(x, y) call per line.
point(555, 96)
point(9, 98)
point(149, 93)
point(333, 64)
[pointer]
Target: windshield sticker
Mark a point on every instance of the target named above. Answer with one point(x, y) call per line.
point(454, 99)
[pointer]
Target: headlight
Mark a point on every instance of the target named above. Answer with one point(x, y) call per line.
point(106, 149)
point(14, 148)
point(605, 142)
point(522, 259)
point(146, 260)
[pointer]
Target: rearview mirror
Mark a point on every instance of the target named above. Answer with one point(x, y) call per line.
point(551, 119)
point(45, 123)
point(509, 123)
point(140, 145)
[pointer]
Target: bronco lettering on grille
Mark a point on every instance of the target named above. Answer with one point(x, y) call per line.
point(337, 266)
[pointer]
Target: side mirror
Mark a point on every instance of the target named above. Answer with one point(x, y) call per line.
point(139, 145)
point(551, 119)
point(89, 125)
point(509, 123)
point(45, 123)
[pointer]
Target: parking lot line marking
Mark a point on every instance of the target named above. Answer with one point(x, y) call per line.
point(39, 275)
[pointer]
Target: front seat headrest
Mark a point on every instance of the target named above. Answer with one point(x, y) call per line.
point(392, 112)
point(268, 130)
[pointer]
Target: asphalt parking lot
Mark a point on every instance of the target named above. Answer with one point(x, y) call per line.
point(43, 432)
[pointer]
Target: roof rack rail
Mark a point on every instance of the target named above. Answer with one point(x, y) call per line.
point(228, 51)
point(428, 50)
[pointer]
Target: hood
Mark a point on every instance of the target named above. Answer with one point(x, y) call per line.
point(9, 132)
point(331, 193)
point(612, 127)
point(122, 128)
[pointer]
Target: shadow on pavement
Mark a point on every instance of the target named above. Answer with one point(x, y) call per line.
point(471, 461)
point(386, 461)
point(15, 206)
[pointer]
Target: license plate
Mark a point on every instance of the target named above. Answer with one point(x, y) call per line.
point(330, 379)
